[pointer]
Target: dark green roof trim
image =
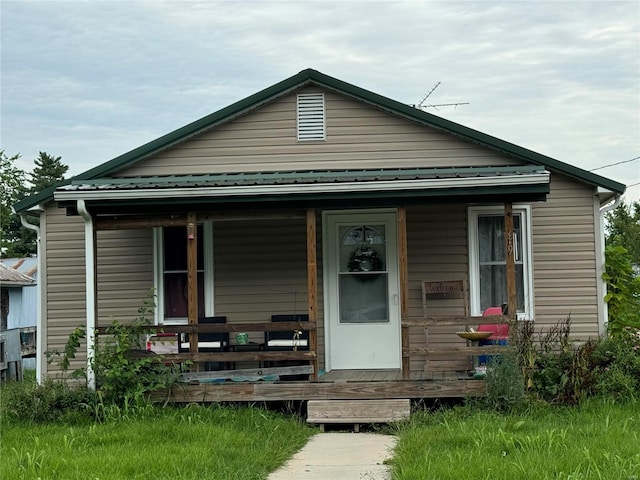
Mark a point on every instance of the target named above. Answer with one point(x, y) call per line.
point(38, 198)
point(310, 76)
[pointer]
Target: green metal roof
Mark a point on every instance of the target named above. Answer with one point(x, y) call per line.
point(313, 77)
point(520, 181)
point(306, 177)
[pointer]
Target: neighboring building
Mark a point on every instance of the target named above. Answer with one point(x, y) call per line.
point(19, 290)
point(318, 197)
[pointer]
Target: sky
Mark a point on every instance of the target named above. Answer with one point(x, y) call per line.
point(90, 80)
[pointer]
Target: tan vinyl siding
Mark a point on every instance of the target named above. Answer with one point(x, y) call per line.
point(65, 279)
point(564, 256)
point(124, 273)
point(358, 136)
point(437, 246)
point(260, 269)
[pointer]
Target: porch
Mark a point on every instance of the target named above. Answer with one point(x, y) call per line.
point(355, 275)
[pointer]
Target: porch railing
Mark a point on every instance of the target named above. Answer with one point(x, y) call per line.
point(461, 323)
point(196, 357)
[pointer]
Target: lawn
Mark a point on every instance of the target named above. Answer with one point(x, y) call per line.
point(154, 443)
point(598, 440)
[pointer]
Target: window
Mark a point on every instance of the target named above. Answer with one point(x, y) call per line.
point(170, 278)
point(311, 125)
point(362, 275)
point(487, 263)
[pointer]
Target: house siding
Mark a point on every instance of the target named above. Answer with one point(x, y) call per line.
point(358, 136)
point(437, 251)
point(565, 257)
point(124, 273)
point(260, 269)
point(64, 303)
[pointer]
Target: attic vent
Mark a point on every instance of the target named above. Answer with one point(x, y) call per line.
point(311, 116)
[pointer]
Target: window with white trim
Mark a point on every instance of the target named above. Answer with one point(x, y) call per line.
point(487, 261)
point(170, 275)
point(311, 118)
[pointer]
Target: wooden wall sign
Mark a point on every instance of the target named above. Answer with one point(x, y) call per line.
point(447, 289)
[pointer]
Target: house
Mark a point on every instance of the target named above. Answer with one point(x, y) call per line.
point(19, 299)
point(383, 224)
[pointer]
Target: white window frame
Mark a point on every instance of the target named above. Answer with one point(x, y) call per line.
point(158, 274)
point(474, 265)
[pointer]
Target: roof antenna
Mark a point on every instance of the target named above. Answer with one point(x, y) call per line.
point(422, 106)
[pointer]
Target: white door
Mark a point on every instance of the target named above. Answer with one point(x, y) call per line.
point(362, 307)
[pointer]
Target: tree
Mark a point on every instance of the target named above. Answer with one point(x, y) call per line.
point(623, 229)
point(12, 189)
point(18, 241)
point(623, 290)
point(48, 171)
point(622, 254)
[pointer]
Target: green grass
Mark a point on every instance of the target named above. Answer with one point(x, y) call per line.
point(154, 443)
point(599, 440)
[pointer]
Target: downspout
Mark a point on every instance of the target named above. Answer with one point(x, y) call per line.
point(602, 284)
point(41, 343)
point(90, 290)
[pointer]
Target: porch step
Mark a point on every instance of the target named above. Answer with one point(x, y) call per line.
point(357, 411)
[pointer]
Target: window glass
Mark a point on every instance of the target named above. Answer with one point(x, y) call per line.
point(363, 276)
point(492, 267)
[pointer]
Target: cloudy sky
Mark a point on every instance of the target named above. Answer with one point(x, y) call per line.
point(90, 80)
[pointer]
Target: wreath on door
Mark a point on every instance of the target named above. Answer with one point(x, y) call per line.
point(365, 259)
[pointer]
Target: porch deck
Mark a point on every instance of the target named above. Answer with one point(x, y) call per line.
point(335, 385)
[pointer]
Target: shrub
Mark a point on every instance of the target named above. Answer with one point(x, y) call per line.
point(556, 369)
point(51, 401)
point(615, 363)
point(505, 383)
point(124, 370)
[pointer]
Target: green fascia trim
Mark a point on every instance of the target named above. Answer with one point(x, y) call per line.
point(310, 76)
point(38, 198)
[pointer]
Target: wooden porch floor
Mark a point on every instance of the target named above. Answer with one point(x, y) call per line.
point(338, 385)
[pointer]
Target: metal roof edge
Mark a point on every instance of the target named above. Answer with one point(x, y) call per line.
point(41, 197)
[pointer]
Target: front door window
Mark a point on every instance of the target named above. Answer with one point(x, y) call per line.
point(363, 282)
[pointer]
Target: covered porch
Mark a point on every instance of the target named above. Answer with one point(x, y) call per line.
point(320, 215)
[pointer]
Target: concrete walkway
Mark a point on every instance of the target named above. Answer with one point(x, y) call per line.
point(338, 456)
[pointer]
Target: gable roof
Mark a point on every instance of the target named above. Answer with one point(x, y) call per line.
point(313, 77)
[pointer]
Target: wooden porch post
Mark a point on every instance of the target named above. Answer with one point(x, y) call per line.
point(312, 286)
point(512, 301)
point(404, 289)
point(192, 277)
